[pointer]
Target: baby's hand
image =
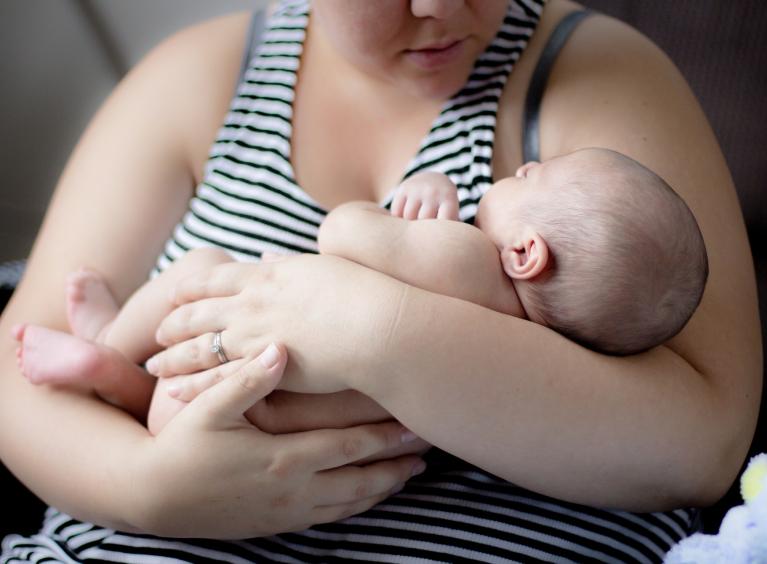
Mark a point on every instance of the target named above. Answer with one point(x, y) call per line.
point(427, 195)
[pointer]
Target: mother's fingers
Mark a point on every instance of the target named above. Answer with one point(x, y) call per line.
point(188, 386)
point(195, 319)
point(226, 402)
point(191, 356)
point(333, 513)
point(332, 448)
point(223, 280)
point(351, 484)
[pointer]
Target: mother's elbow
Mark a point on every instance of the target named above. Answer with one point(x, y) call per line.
point(717, 466)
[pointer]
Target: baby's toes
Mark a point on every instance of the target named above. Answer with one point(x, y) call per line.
point(77, 283)
point(17, 331)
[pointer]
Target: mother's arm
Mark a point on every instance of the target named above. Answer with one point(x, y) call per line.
point(666, 428)
point(118, 198)
point(663, 429)
point(126, 185)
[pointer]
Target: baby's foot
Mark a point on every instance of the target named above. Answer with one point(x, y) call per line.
point(46, 356)
point(90, 304)
point(427, 195)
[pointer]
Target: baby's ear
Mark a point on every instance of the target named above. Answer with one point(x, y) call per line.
point(527, 258)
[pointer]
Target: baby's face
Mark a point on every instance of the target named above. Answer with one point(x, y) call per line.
point(498, 213)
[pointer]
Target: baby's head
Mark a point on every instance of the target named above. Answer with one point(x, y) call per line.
point(600, 249)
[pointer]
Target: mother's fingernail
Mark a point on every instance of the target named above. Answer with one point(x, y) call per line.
point(270, 357)
point(418, 468)
point(151, 365)
point(408, 436)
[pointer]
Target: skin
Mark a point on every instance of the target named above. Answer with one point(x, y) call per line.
point(434, 362)
point(703, 386)
point(125, 478)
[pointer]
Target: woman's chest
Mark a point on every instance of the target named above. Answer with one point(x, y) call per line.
point(345, 151)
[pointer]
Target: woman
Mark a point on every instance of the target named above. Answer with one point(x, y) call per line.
point(665, 429)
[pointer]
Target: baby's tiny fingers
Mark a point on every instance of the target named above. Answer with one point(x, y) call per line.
point(448, 210)
point(398, 203)
point(412, 207)
point(428, 210)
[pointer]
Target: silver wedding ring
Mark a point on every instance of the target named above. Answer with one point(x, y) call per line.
point(218, 349)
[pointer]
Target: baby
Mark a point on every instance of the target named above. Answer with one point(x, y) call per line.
point(591, 244)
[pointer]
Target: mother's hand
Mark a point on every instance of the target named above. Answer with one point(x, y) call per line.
point(313, 304)
point(218, 476)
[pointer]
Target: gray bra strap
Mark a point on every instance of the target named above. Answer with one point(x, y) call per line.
point(254, 40)
point(531, 143)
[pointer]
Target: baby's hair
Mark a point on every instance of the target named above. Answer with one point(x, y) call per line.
point(629, 262)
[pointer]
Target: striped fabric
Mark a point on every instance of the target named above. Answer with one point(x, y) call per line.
point(249, 203)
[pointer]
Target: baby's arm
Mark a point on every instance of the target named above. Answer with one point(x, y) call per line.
point(426, 195)
point(445, 257)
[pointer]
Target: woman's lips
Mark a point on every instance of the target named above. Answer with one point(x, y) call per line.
point(434, 57)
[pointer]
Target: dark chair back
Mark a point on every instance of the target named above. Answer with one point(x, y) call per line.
point(720, 48)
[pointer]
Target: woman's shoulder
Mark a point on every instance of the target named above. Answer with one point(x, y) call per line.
point(608, 86)
point(607, 69)
point(205, 55)
point(602, 55)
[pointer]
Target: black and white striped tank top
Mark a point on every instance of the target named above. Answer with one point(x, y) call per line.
point(248, 203)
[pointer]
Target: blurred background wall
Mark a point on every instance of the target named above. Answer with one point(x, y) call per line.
point(59, 59)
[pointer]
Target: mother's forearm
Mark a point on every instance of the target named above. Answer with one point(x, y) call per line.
point(287, 412)
point(72, 450)
point(643, 433)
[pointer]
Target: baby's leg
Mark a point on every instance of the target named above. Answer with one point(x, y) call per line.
point(132, 331)
point(91, 307)
point(46, 356)
point(446, 257)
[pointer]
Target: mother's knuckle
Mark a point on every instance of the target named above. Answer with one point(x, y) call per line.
point(351, 447)
point(182, 319)
point(283, 466)
point(247, 381)
point(217, 376)
point(281, 501)
point(386, 436)
point(363, 489)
